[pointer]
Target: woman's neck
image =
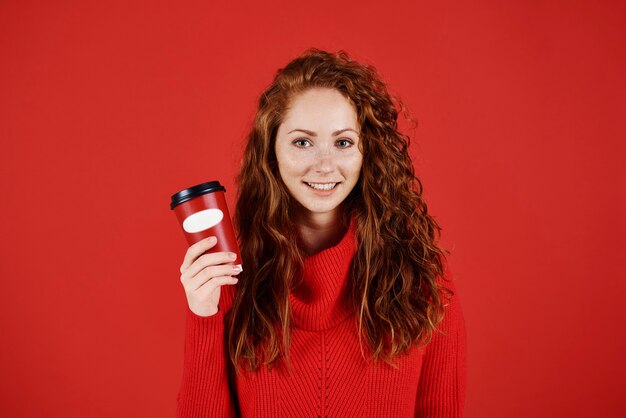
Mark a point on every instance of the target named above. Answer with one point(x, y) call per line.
point(318, 233)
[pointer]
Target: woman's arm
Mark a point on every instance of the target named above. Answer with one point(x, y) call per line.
point(441, 388)
point(204, 391)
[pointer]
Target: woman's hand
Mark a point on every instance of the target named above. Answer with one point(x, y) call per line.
point(203, 275)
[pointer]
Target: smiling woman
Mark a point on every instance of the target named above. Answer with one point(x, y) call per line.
point(322, 173)
point(346, 307)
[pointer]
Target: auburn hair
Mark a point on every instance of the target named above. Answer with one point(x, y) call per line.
point(394, 285)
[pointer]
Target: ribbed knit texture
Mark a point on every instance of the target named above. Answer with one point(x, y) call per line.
point(330, 377)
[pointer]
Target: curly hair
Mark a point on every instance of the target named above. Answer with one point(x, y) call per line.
point(394, 284)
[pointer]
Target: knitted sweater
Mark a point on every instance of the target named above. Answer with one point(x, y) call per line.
point(330, 377)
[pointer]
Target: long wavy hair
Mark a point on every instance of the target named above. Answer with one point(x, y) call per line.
point(393, 285)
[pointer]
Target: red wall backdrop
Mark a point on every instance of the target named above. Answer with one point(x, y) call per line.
point(108, 108)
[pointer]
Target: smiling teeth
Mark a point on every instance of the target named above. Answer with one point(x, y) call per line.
point(322, 186)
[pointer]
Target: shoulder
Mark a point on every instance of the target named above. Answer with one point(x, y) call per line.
point(453, 313)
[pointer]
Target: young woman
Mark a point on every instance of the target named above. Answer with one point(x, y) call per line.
point(345, 307)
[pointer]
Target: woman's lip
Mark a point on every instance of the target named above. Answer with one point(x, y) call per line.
point(328, 182)
point(321, 192)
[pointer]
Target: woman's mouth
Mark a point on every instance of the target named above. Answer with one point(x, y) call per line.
point(322, 188)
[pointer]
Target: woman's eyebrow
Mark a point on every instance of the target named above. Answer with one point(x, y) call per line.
point(306, 131)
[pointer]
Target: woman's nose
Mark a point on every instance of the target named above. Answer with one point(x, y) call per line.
point(324, 160)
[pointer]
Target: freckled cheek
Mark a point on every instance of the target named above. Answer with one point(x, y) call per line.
point(299, 161)
point(353, 165)
point(294, 166)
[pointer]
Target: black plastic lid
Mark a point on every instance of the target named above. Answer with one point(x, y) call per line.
point(195, 191)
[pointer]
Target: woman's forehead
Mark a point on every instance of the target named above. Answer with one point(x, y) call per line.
point(320, 111)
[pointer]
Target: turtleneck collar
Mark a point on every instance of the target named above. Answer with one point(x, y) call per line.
point(319, 301)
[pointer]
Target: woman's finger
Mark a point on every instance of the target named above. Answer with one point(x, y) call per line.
point(209, 273)
point(207, 260)
point(194, 251)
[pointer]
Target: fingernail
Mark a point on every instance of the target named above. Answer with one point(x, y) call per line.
point(232, 255)
point(237, 268)
point(211, 239)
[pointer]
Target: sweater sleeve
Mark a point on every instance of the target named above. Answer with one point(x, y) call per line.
point(441, 388)
point(204, 391)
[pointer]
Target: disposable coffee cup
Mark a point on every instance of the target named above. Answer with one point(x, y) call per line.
point(202, 212)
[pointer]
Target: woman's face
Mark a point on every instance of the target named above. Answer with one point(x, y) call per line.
point(317, 143)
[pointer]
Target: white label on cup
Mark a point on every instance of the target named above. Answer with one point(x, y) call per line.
point(202, 220)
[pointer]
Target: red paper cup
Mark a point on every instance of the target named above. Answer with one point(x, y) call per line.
point(202, 212)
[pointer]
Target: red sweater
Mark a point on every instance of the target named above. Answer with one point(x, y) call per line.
point(331, 378)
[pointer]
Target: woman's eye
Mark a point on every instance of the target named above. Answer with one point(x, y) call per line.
point(344, 143)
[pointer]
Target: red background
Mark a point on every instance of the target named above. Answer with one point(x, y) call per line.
point(108, 108)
